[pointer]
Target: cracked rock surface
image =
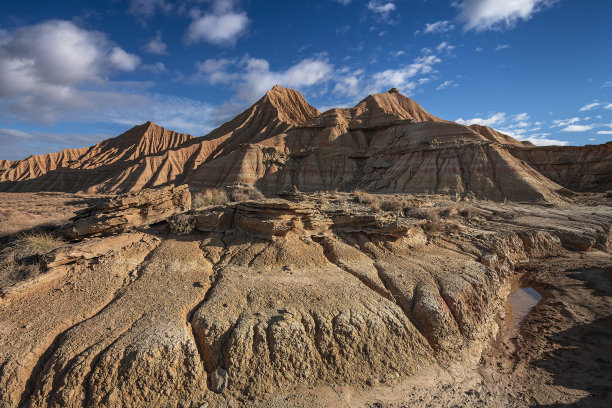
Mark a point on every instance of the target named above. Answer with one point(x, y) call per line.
point(262, 297)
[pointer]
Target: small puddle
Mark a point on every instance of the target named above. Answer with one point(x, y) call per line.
point(519, 304)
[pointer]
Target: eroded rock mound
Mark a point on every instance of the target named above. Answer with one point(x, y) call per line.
point(386, 143)
point(118, 214)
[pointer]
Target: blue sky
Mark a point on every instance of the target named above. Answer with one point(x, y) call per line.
point(70, 76)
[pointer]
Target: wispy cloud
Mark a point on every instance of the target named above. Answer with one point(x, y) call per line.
point(577, 128)
point(564, 122)
point(447, 84)
point(501, 47)
point(438, 27)
point(589, 106)
point(156, 45)
point(493, 119)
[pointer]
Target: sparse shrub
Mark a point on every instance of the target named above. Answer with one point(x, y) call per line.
point(466, 212)
point(434, 224)
point(375, 206)
point(394, 204)
point(182, 224)
point(364, 198)
point(208, 197)
point(246, 193)
point(20, 259)
point(449, 212)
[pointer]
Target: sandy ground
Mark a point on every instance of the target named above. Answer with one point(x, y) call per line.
point(24, 211)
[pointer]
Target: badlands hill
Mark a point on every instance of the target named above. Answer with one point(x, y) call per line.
point(386, 143)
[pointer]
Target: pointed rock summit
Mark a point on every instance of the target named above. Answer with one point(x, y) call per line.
point(386, 143)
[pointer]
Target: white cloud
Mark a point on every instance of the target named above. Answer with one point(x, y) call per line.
point(521, 117)
point(479, 49)
point(55, 67)
point(157, 68)
point(344, 2)
point(349, 83)
point(156, 45)
point(494, 119)
point(123, 60)
point(501, 47)
point(438, 27)
point(146, 8)
point(604, 132)
point(565, 122)
point(444, 46)
point(483, 15)
point(607, 84)
point(252, 77)
point(608, 106)
point(542, 140)
point(589, 106)
point(577, 128)
point(399, 78)
point(447, 84)
point(222, 26)
point(381, 7)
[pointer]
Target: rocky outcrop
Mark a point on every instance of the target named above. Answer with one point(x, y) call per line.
point(579, 168)
point(118, 214)
point(266, 295)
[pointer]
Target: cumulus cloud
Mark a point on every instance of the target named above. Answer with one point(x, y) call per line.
point(589, 106)
point(444, 46)
point(608, 106)
point(222, 26)
point(252, 77)
point(604, 132)
point(53, 67)
point(122, 60)
point(381, 7)
point(492, 120)
point(577, 128)
point(156, 45)
point(438, 27)
point(481, 15)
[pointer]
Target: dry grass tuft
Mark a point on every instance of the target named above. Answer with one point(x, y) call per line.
point(364, 198)
point(394, 204)
point(208, 197)
point(20, 259)
point(246, 193)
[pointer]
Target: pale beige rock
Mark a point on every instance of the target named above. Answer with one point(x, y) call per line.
point(120, 213)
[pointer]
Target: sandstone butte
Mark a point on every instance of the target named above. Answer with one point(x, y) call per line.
point(387, 143)
point(151, 302)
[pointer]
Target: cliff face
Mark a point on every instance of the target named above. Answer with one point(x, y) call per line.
point(579, 168)
point(386, 143)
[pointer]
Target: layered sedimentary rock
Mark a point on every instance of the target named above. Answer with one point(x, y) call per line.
point(579, 168)
point(386, 143)
point(118, 214)
point(261, 296)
